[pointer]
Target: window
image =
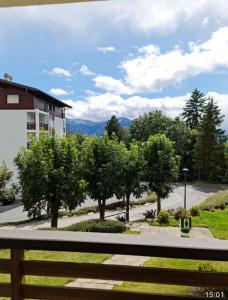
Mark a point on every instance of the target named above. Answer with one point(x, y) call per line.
point(12, 99)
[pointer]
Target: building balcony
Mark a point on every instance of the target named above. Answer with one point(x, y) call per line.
point(18, 267)
point(31, 125)
point(43, 126)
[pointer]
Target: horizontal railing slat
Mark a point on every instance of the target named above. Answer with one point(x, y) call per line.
point(126, 273)
point(114, 244)
point(4, 266)
point(5, 290)
point(66, 293)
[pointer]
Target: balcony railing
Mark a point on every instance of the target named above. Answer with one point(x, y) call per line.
point(19, 240)
point(43, 126)
point(31, 125)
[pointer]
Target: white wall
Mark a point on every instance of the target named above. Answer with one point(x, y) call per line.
point(13, 135)
point(59, 126)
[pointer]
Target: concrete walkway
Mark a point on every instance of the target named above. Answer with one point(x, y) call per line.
point(124, 260)
point(127, 260)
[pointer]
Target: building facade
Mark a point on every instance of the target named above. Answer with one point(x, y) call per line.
point(26, 111)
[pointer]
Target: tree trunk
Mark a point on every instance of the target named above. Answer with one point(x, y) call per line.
point(124, 199)
point(101, 204)
point(158, 204)
point(54, 216)
point(127, 207)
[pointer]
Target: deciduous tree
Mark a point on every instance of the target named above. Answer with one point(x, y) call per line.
point(161, 166)
point(50, 176)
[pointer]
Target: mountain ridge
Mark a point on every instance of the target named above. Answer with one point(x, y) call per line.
point(88, 127)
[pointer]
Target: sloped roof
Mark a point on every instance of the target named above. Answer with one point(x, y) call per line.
point(9, 3)
point(34, 91)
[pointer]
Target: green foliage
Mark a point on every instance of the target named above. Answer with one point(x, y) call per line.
point(7, 191)
point(178, 213)
point(150, 214)
point(106, 226)
point(194, 211)
point(50, 176)
point(209, 149)
point(163, 217)
point(193, 109)
point(132, 172)
point(215, 201)
point(102, 160)
point(206, 267)
point(152, 123)
point(161, 166)
point(114, 128)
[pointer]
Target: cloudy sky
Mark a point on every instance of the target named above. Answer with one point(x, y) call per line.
point(122, 57)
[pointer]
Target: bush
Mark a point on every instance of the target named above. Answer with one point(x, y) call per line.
point(150, 214)
point(194, 211)
point(178, 213)
point(163, 217)
point(106, 226)
point(120, 219)
point(222, 206)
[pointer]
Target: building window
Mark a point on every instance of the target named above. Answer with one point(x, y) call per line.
point(12, 99)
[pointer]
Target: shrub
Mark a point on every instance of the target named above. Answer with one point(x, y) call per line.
point(150, 214)
point(106, 226)
point(194, 211)
point(178, 213)
point(121, 219)
point(222, 206)
point(163, 217)
point(206, 267)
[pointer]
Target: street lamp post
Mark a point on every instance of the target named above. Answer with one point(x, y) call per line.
point(185, 172)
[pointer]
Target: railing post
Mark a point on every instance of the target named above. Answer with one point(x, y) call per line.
point(17, 278)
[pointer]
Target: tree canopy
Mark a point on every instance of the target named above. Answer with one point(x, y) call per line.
point(50, 176)
point(161, 166)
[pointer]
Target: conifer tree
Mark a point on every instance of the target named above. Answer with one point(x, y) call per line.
point(113, 127)
point(193, 109)
point(210, 145)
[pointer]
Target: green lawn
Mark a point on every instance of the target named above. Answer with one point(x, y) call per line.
point(54, 256)
point(216, 221)
point(215, 201)
point(169, 263)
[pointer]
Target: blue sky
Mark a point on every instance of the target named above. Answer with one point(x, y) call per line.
point(122, 57)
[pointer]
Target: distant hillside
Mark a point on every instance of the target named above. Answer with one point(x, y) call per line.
point(91, 128)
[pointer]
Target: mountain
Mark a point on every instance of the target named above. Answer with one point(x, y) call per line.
point(90, 127)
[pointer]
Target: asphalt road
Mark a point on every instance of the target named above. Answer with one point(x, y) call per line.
point(196, 193)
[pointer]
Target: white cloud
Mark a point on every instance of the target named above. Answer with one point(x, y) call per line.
point(144, 16)
point(111, 85)
point(152, 71)
point(59, 72)
point(106, 49)
point(205, 22)
point(57, 92)
point(84, 70)
point(102, 107)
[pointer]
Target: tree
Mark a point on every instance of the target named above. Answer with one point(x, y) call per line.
point(149, 124)
point(5, 177)
point(210, 145)
point(102, 165)
point(113, 127)
point(50, 176)
point(132, 172)
point(193, 109)
point(161, 166)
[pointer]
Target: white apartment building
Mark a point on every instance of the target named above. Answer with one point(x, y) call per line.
point(25, 111)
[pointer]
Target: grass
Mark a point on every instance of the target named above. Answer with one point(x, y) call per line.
point(215, 201)
point(169, 263)
point(54, 256)
point(216, 221)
